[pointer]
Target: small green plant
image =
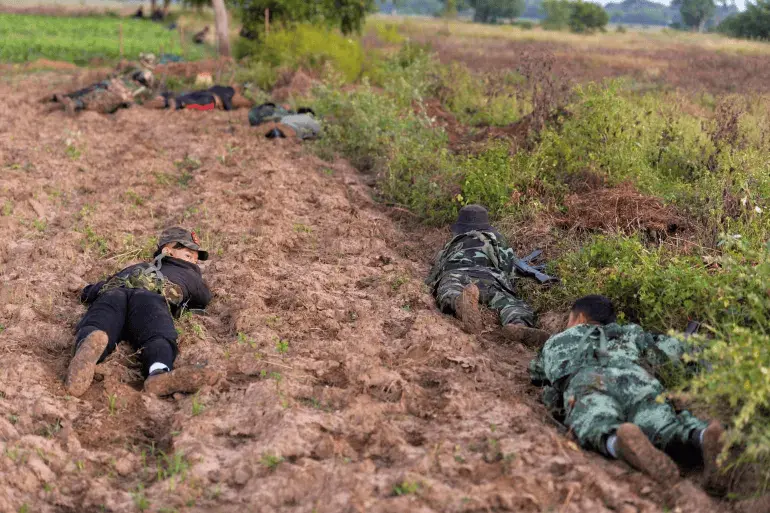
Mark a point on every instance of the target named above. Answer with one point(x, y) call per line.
point(163, 178)
point(140, 499)
point(398, 282)
point(7, 208)
point(301, 228)
point(282, 346)
point(24, 508)
point(73, 151)
point(184, 179)
point(50, 430)
point(245, 339)
point(112, 403)
point(174, 465)
point(134, 198)
point(406, 488)
point(80, 465)
point(197, 406)
point(271, 461)
point(40, 225)
point(188, 163)
point(13, 419)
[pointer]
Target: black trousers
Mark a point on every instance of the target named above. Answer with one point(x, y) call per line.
point(137, 316)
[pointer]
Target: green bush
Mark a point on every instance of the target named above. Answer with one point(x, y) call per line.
point(587, 17)
point(306, 46)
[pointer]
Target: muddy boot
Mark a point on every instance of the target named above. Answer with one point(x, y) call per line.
point(186, 380)
point(81, 370)
point(158, 102)
point(635, 448)
point(467, 309)
point(240, 101)
point(712, 444)
point(532, 338)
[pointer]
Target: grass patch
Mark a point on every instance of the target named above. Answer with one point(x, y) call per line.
point(84, 39)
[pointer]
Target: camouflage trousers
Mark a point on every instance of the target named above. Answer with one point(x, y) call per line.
point(491, 293)
point(598, 400)
point(105, 97)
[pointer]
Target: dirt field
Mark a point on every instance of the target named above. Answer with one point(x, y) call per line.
point(378, 404)
point(651, 60)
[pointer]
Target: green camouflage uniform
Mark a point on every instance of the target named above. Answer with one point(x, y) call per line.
point(113, 93)
point(484, 258)
point(599, 377)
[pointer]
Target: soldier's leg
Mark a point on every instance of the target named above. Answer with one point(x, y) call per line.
point(458, 293)
point(596, 414)
point(98, 333)
point(150, 328)
point(449, 289)
point(511, 309)
point(592, 413)
point(665, 428)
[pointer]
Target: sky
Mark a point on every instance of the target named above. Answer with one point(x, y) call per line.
point(740, 3)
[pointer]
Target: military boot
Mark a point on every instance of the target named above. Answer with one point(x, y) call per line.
point(81, 370)
point(186, 380)
point(532, 338)
point(467, 309)
point(712, 446)
point(635, 448)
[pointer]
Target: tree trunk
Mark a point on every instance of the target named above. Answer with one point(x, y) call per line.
point(221, 23)
point(153, 6)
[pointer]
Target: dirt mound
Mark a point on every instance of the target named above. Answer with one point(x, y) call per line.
point(49, 64)
point(343, 388)
point(296, 84)
point(621, 209)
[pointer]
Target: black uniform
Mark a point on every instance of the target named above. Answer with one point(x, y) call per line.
point(142, 317)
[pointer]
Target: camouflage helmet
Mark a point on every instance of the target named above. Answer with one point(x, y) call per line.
point(184, 237)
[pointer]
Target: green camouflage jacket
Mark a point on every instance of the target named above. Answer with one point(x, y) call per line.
point(482, 254)
point(612, 345)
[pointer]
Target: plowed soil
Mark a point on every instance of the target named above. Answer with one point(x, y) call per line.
point(342, 388)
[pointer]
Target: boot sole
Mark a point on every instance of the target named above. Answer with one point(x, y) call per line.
point(712, 447)
point(532, 338)
point(185, 380)
point(468, 309)
point(80, 374)
point(636, 449)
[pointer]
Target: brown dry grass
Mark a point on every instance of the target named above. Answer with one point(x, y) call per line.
point(659, 60)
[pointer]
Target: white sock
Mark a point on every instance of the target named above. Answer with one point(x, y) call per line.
point(611, 442)
point(700, 436)
point(158, 366)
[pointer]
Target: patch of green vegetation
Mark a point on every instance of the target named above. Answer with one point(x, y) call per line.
point(197, 406)
point(172, 465)
point(406, 488)
point(140, 499)
point(303, 46)
point(271, 461)
point(112, 403)
point(84, 39)
point(282, 346)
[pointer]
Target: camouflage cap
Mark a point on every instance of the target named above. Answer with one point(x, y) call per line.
point(184, 237)
point(471, 217)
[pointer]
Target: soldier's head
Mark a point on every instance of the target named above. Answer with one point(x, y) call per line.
point(472, 218)
point(179, 243)
point(593, 309)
